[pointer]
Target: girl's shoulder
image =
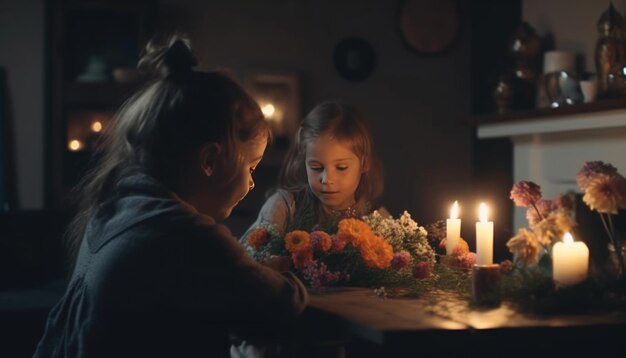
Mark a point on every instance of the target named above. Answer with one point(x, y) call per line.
point(281, 198)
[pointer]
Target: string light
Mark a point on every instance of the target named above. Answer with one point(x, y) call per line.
point(74, 145)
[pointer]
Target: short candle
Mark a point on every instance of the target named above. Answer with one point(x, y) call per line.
point(484, 238)
point(570, 261)
point(453, 229)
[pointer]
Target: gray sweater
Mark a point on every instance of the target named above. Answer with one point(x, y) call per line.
point(154, 277)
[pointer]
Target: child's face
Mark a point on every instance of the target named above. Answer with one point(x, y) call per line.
point(333, 171)
point(234, 190)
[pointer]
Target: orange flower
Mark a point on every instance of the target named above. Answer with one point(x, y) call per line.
point(377, 252)
point(297, 240)
point(301, 258)
point(258, 238)
point(355, 229)
point(461, 248)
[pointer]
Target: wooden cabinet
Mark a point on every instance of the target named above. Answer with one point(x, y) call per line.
point(92, 50)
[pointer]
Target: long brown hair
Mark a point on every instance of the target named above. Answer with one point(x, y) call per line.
point(163, 123)
point(346, 124)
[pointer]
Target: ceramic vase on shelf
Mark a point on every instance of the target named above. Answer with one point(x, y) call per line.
point(513, 94)
point(610, 55)
point(525, 50)
point(516, 87)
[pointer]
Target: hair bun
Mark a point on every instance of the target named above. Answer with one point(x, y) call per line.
point(175, 59)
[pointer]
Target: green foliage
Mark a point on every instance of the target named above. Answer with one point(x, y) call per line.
point(453, 280)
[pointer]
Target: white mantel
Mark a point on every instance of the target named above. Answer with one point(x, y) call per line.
point(550, 150)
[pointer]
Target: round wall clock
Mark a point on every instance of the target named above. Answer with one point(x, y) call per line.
point(354, 58)
point(429, 27)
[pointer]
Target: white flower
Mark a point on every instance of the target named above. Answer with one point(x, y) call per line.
point(402, 234)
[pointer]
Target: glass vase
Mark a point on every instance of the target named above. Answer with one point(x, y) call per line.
point(617, 260)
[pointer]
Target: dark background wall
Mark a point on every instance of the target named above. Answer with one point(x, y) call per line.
point(418, 106)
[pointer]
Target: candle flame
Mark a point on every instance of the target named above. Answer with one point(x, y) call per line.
point(482, 212)
point(567, 238)
point(454, 212)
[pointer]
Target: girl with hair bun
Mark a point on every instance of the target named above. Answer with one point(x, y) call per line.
point(154, 274)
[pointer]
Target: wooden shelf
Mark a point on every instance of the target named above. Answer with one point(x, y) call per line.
point(542, 113)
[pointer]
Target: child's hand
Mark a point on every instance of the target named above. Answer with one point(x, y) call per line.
point(278, 263)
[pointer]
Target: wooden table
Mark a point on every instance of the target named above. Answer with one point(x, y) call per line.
point(444, 325)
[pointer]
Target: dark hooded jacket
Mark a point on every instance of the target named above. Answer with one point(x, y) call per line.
point(154, 277)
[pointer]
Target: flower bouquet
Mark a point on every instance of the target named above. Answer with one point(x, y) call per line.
point(371, 251)
point(605, 192)
point(548, 221)
point(529, 277)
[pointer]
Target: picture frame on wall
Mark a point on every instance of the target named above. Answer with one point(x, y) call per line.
point(429, 27)
point(278, 95)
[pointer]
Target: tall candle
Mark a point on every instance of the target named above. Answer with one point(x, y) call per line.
point(453, 229)
point(484, 238)
point(570, 261)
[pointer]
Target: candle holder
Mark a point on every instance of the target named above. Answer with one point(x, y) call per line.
point(486, 285)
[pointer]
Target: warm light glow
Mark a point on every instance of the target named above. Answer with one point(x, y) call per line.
point(453, 229)
point(74, 145)
point(570, 261)
point(268, 110)
point(454, 212)
point(568, 239)
point(96, 126)
point(482, 212)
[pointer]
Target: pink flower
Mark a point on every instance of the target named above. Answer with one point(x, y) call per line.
point(464, 261)
point(338, 243)
point(468, 260)
point(591, 169)
point(422, 270)
point(400, 260)
point(319, 275)
point(545, 207)
point(320, 241)
point(565, 201)
point(525, 193)
point(506, 266)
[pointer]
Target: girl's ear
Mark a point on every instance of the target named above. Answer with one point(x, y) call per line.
point(209, 154)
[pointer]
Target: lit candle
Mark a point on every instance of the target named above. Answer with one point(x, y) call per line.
point(453, 229)
point(484, 238)
point(570, 261)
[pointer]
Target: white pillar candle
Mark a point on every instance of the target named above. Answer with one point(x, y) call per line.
point(570, 261)
point(453, 229)
point(484, 238)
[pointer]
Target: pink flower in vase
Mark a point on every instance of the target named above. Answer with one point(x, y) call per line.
point(591, 169)
point(525, 193)
point(606, 193)
point(543, 209)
